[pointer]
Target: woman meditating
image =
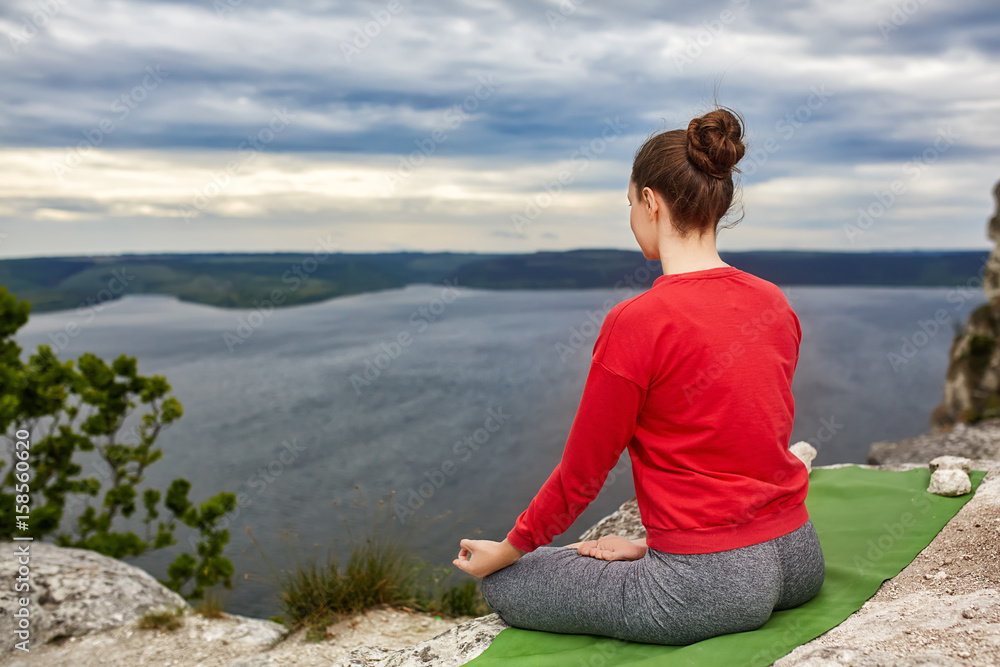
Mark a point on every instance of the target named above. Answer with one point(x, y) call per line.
point(694, 377)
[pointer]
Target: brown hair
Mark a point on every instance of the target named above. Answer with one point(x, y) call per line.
point(693, 170)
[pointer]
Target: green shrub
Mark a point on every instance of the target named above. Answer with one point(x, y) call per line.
point(64, 409)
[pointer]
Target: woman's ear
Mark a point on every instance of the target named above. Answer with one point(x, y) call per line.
point(650, 202)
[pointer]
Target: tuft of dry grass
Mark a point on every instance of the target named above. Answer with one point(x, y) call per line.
point(211, 606)
point(162, 620)
point(380, 570)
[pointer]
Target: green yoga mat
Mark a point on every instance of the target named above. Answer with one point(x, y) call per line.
point(871, 524)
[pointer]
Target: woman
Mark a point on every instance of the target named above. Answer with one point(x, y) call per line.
point(694, 377)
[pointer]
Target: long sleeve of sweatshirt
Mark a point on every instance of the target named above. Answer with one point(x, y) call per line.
point(603, 427)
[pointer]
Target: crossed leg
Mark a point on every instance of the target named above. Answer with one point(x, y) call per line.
point(556, 589)
point(661, 598)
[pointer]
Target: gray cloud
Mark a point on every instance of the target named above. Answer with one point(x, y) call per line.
point(559, 75)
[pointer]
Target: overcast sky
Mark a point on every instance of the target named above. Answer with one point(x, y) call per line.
point(244, 125)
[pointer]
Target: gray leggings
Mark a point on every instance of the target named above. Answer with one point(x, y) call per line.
point(662, 598)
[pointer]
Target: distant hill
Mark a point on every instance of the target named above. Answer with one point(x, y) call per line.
point(239, 280)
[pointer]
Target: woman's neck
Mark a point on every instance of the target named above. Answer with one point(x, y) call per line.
point(681, 255)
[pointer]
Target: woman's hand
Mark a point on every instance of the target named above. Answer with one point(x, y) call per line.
point(612, 547)
point(484, 557)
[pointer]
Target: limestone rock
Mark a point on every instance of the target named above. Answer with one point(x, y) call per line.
point(839, 656)
point(972, 384)
point(449, 649)
point(254, 661)
point(243, 630)
point(974, 441)
point(78, 591)
point(991, 277)
point(842, 656)
point(805, 452)
point(950, 483)
point(921, 628)
point(951, 463)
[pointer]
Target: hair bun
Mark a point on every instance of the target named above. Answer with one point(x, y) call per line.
point(715, 142)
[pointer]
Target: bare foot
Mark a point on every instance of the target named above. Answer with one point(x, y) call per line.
point(611, 547)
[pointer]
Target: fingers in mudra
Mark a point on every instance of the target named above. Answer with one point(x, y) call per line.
point(611, 547)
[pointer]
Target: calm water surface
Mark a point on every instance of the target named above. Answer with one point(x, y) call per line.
point(313, 414)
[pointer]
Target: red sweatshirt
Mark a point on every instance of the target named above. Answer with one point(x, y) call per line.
point(694, 376)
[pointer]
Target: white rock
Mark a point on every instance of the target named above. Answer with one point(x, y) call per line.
point(243, 630)
point(951, 463)
point(805, 452)
point(950, 483)
point(78, 591)
point(254, 661)
point(449, 649)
